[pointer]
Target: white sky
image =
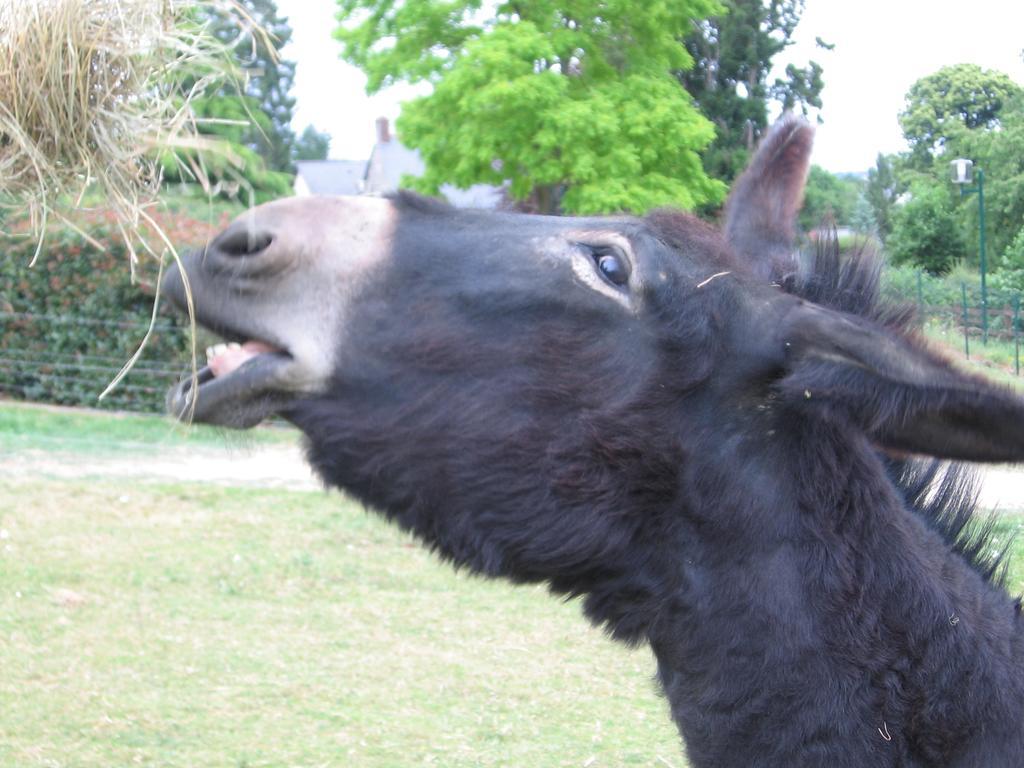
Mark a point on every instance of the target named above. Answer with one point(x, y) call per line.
point(882, 47)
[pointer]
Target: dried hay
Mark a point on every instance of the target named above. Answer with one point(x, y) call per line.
point(91, 92)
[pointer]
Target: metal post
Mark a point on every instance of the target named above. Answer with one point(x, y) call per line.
point(1016, 334)
point(920, 297)
point(981, 239)
point(967, 343)
point(980, 189)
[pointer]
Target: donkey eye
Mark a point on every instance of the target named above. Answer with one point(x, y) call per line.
point(612, 267)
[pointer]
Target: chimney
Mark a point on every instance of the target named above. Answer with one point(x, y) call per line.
point(383, 130)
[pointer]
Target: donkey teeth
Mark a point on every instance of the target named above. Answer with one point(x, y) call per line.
point(215, 350)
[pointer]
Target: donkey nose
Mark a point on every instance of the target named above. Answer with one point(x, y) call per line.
point(242, 240)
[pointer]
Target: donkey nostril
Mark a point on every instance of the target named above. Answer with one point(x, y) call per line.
point(243, 242)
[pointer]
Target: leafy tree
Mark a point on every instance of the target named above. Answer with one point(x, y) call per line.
point(925, 231)
point(248, 114)
point(1001, 154)
point(1013, 257)
point(964, 111)
point(267, 78)
point(862, 220)
point(942, 106)
point(235, 169)
point(312, 145)
point(1010, 276)
point(828, 196)
point(733, 52)
point(881, 192)
point(573, 102)
point(270, 83)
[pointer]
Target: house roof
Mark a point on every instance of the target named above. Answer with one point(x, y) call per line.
point(391, 160)
point(332, 177)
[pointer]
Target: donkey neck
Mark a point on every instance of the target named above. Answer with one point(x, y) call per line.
point(817, 616)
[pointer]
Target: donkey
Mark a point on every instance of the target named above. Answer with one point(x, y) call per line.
point(706, 437)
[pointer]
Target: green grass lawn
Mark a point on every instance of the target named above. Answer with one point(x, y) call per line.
point(191, 625)
point(181, 625)
point(195, 626)
point(26, 426)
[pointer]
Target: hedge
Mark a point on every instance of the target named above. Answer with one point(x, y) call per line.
point(68, 323)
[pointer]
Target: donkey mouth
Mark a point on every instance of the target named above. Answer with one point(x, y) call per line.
point(224, 359)
point(240, 385)
point(260, 369)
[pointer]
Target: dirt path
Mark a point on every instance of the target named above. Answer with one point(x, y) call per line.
point(260, 467)
point(283, 466)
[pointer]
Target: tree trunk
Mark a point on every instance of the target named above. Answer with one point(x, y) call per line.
point(547, 199)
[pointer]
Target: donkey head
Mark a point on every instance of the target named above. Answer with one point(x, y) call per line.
point(534, 395)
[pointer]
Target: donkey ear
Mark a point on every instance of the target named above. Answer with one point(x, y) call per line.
point(761, 212)
point(905, 397)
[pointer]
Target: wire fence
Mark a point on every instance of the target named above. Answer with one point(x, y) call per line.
point(985, 323)
point(988, 324)
point(70, 360)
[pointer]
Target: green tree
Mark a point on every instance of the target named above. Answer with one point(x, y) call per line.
point(733, 54)
point(828, 196)
point(245, 113)
point(881, 192)
point(1003, 152)
point(312, 145)
point(1013, 256)
point(1000, 153)
point(925, 231)
point(941, 107)
point(573, 103)
point(1010, 277)
point(266, 80)
point(862, 220)
point(964, 111)
point(235, 169)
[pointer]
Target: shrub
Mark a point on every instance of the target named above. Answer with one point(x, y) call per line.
point(902, 283)
point(925, 232)
point(1013, 256)
point(1007, 281)
point(1009, 278)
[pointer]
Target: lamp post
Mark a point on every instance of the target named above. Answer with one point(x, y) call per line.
point(962, 175)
